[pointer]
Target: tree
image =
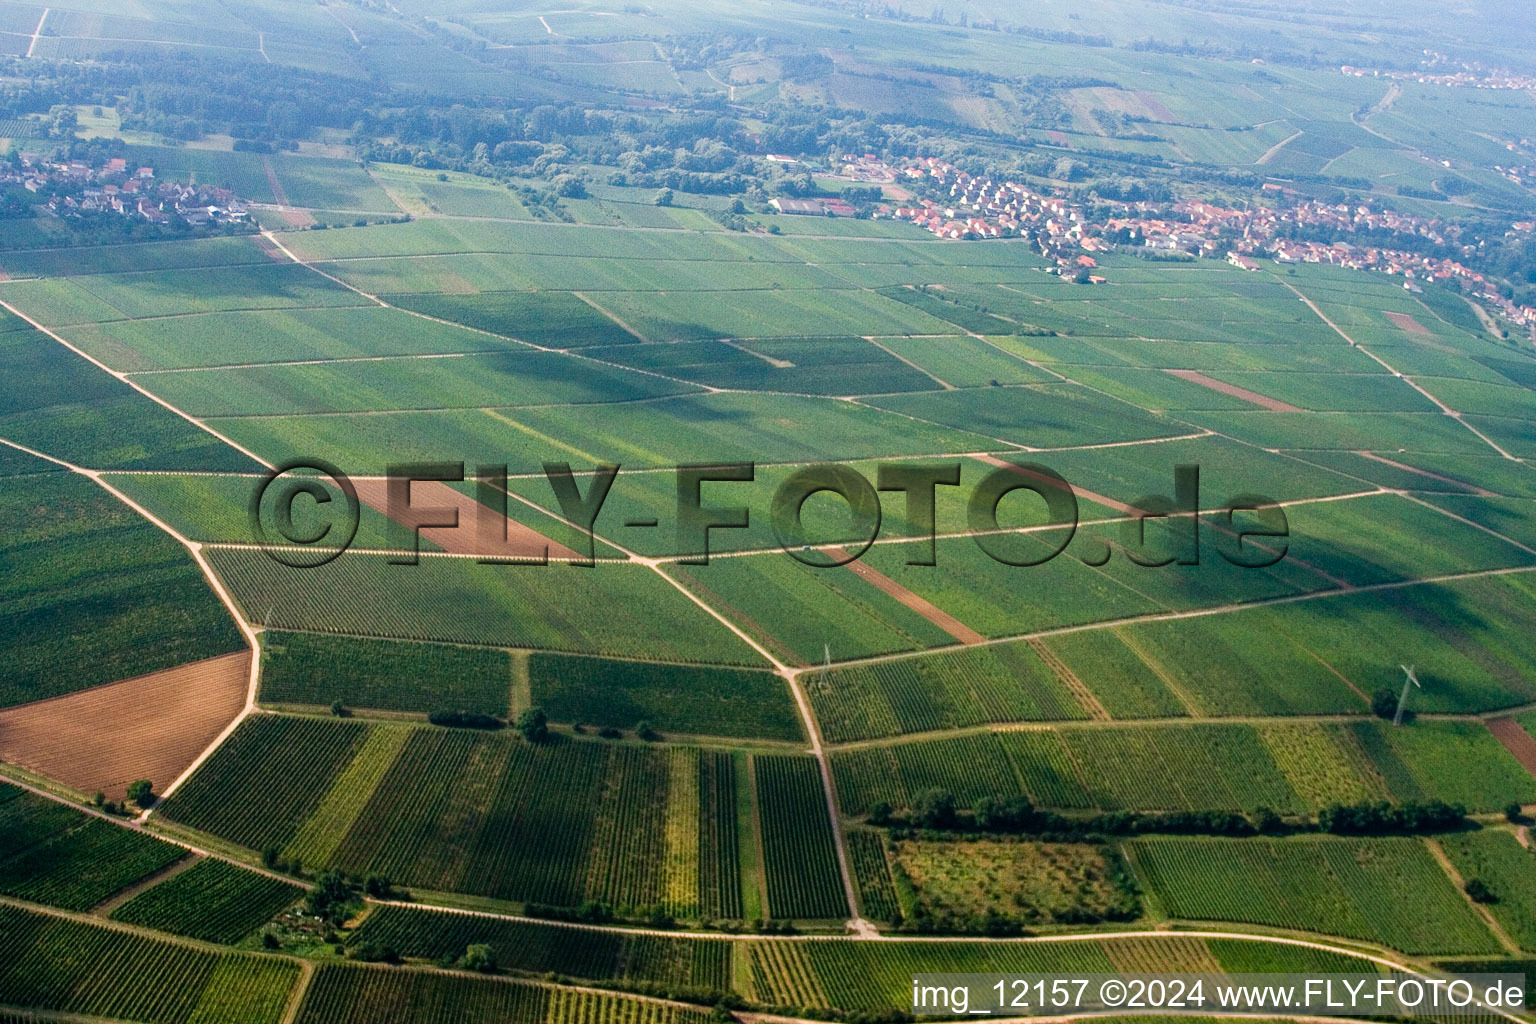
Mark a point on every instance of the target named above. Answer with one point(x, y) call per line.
point(933, 808)
point(534, 725)
point(330, 896)
point(479, 957)
point(645, 732)
point(664, 197)
point(141, 792)
point(1478, 891)
point(1513, 812)
point(1384, 703)
point(1267, 822)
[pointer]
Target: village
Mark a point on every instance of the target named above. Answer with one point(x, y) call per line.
point(979, 206)
point(75, 189)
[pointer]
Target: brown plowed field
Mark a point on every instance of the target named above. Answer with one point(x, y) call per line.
point(1407, 323)
point(464, 539)
point(927, 609)
point(151, 727)
point(1516, 740)
point(1102, 499)
point(1262, 401)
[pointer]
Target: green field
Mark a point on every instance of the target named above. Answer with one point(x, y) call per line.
point(235, 796)
point(1389, 891)
point(213, 901)
point(94, 592)
point(799, 852)
point(672, 698)
point(54, 964)
point(305, 668)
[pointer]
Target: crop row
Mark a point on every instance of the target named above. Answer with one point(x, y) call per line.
point(306, 668)
point(265, 779)
point(213, 900)
point(799, 852)
point(62, 965)
point(1390, 891)
point(1290, 767)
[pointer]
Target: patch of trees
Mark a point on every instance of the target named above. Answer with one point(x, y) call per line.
point(464, 720)
point(936, 811)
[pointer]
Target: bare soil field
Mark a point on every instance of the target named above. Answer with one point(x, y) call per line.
point(1262, 401)
point(150, 727)
point(1102, 499)
point(927, 609)
point(463, 539)
point(1406, 322)
point(1516, 740)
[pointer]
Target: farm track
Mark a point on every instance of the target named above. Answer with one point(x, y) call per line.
point(1447, 410)
point(1087, 724)
point(1068, 678)
point(37, 32)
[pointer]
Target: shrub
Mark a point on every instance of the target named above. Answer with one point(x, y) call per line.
point(479, 957)
point(464, 720)
point(141, 792)
point(534, 725)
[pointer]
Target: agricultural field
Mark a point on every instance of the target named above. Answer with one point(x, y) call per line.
point(1292, 766)
point(1390, 891)
point(799, 851)
point(1499, 861)
point(983, 886)
point(65, 965)
point(362, 995)
point(671, 698)
point(151, 727)
point(693, 963)
point(236, 795)
point(525, 245)
point(315, 669)
point(213, 901)
point(634, 827)
point(95, 592)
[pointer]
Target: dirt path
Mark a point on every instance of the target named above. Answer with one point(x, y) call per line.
point(1273, 151)
point(507, 539)
point(1515, 740)
point(610, 315)
point(1438, 852)
point(927, 609)
point(150, 727)
point(37, 32)
point(297, 218)
point(1070, 679)
point(1447, 410)
point(1262, 401)
point(1480, 492)
point(117, 899)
